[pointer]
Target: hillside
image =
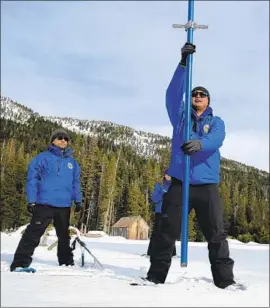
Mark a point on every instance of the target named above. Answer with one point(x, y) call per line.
point(144, 143)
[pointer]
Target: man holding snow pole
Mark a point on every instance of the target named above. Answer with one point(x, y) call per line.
point(207, 136)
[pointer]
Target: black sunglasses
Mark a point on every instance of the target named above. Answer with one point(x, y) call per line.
point(62, 137)
point(201, 94)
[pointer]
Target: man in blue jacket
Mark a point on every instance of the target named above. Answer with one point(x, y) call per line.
point(207, 136)
point(53, 183)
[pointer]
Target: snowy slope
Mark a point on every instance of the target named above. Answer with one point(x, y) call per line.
point(93, 287)
point(143, 143)
point(11, 110)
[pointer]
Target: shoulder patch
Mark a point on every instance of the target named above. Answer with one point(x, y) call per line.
point(70, 166)
point(206, 128)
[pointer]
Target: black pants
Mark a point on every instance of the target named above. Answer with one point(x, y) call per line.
point(42, 217)
point(206, 202)
point(154, 236)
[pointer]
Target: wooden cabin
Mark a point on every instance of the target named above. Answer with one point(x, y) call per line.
point(131, 228)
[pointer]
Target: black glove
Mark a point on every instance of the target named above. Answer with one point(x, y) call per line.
point(191, 147)
point(78, 207)
point(31, 208)
point(187, 49)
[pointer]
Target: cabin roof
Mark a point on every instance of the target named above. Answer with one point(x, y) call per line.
point(126, 222)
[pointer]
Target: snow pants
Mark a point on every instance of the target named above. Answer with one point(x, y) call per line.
point(42, 217)
point(205, 200)
point(154, 236)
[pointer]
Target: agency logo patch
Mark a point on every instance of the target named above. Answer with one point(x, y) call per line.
point(206, 128)
point(70, 166)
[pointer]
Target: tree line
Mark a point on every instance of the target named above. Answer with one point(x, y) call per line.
point(117, 182)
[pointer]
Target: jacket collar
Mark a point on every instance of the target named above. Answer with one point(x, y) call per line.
point(58, 151)
point(208, 111)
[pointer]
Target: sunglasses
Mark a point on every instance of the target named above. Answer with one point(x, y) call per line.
point(201, 94)
point(62, 137)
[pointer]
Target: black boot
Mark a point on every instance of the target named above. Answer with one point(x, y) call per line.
point(68, 260)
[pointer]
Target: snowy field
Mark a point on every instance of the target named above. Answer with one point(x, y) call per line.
point(91, 286)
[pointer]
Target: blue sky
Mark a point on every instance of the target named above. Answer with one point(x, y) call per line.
point(113, 61)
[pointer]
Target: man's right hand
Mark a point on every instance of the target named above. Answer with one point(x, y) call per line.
point(187, 49)
point(31, 208)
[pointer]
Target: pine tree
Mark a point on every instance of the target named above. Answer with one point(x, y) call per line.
point(8, 189)
point(191, 227)
point(21, 214)
point(135, 200)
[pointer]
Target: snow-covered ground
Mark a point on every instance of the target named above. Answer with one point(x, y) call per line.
point(91, 286)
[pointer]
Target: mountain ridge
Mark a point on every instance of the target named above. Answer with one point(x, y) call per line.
point(143, 143)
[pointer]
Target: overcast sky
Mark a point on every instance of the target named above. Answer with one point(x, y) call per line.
point(113, 61)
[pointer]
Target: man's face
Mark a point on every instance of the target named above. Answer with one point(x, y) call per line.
point(199, 100)
point(61, 141)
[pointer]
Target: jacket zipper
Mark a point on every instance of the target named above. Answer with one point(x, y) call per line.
point(58, 166)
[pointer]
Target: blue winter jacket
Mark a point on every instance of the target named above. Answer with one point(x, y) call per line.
point(53, 178)
point(157, 194)
point(209, 129)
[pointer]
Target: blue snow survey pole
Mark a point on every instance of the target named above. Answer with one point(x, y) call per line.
point(189, 27)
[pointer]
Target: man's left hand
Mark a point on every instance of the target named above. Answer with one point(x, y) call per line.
point(78, 207)
point(191, 147)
